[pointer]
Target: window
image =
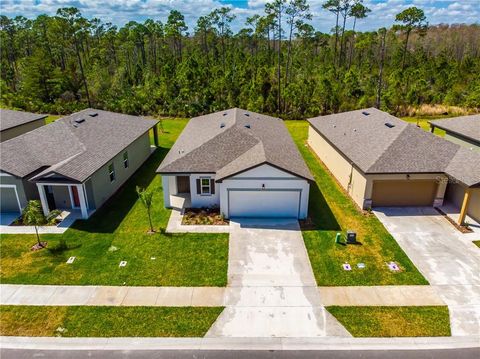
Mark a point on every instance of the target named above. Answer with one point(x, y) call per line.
point(125, 159)
point(205, 182)
point(111, 172)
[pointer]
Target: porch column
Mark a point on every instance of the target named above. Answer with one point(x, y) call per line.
point(43, 198)
point(83, 203)
point(155, 135)
point(463, 211)
point(166, 191)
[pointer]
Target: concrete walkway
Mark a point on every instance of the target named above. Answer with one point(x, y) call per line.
point(448, 261)
point(276, 292)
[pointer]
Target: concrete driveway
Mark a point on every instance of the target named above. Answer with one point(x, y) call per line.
point(447, 258)
point(271, 287)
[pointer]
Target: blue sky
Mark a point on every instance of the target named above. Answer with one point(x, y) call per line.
point(121, 11)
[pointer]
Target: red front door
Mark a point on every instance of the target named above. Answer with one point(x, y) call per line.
point(76, 199)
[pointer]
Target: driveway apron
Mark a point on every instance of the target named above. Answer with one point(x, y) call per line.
point(271, 287)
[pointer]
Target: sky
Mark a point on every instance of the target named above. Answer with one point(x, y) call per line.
point(120, 12)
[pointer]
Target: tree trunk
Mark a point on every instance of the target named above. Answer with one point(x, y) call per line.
point(405, 49)
point(336, 39)
point(150, 220)
point(38, 237)
point(380, 72)
point(353, 44)
point(82, 72)
point(342, 38)
point(279, 58)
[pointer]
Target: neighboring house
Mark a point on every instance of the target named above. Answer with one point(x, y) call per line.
point(76, 162)
point(381, 160)
point(15, 123)
point(243, 162)
point(464, 130)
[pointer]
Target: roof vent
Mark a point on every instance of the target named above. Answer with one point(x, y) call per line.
point(222, 125)
point(93, 114)
point(389, 125)
point(79, 120)
point(247, 114)
point(247, 126)
point(365, 113)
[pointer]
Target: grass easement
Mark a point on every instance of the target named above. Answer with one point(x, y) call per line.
point(107, 321)
point(117, 232)
point(332, 210)
point(431, 321)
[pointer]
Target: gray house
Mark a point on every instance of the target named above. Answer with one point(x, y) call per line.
point(243, 162)
point(76, 163)
point(15, 123)
point(464, 130)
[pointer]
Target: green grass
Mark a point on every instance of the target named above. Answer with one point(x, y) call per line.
point(107, 321)
point(423, 123)
point(431, 321)
point(122, 223)
point(477, 243)
point(332, 210)
point(52, 118)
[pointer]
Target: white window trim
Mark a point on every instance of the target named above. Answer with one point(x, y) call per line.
point(16, 194)
point(126, 161)
point(209, 193)
point(112, 172)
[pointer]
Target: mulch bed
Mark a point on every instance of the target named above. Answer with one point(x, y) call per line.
point(463, 229)
point(203, 216)
point(37, 247)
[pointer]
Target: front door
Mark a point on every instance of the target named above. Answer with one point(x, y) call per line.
point(76, 198)
point(183, 184)
point(50, 197)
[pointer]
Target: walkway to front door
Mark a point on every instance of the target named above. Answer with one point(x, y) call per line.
point(272, 286)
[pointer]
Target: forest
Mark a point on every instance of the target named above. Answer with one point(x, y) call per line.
point(277, 63)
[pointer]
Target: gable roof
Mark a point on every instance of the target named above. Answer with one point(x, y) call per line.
point(465, 126)
point(366, 140)
point(10, 118)
point(232, 141)
point(70, 147)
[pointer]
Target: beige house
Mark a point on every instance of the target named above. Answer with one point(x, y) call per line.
point(15, 123)
point(75, 163)
point(381, 160)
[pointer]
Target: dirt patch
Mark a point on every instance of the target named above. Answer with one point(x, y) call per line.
point(204, 216)
point(38, 246)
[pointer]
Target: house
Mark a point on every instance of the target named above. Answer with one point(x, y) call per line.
point(381, 160)
point(15, 123)
point(464, 130)
point(76, 162)
point(243, 162)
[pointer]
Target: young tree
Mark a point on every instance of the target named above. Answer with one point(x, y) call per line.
point(146, 197)
point(413, 19)
point(32, 215)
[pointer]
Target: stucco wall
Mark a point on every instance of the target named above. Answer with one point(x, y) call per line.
point(452, 137)
point(199, 200)
point(455, 194)
point(269, 176)
point(349, 177)
point(102, 188)
point(19, 130)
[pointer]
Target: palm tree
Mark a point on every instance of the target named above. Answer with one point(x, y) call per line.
point(32, 215)
point(146, 197)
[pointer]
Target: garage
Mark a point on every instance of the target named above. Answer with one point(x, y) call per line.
point(404, 193)
point(264, 203)
point(9, 200)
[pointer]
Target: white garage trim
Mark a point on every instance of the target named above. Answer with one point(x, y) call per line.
point(16, 194)
point(298, 190)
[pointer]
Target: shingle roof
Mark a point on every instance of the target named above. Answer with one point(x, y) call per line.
point(466, 126)
point(232, 141)
point(70, 149)
point(11, 118)
point(363, 137)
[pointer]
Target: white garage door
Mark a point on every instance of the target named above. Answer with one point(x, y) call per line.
point(264, 203)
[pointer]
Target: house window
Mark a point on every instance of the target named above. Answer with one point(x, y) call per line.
point(111, 172)
point(125, 159)
point(205, 183)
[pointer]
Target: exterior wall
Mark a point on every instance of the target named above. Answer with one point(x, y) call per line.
point(462, 141)
point(349, 177)
point(62, 197)
point(269, 176)
point(455, 194)
point(20, 130)
point(89, 193)
point(9, 180)
point(199, 200)
point(102, 188)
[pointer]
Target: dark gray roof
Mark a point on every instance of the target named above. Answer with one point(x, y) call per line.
point(70, 149)
point(466, 126)
point(363, 137)
point(221, 143)
point(11, 118)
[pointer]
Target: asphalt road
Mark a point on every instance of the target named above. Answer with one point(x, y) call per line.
point(240, 354)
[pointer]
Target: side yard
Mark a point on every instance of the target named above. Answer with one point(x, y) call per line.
point(332, 211)
point(117, 232)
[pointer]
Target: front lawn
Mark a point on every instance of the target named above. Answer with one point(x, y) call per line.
point(332, 211)
point(107, 321)
point(431, 321)
point(117, 232)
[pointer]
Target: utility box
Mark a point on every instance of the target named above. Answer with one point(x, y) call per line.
point(351, 237)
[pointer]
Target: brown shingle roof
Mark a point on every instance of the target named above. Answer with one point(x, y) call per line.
point(232, 141)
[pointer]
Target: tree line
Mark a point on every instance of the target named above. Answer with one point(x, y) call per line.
point(277, 63)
